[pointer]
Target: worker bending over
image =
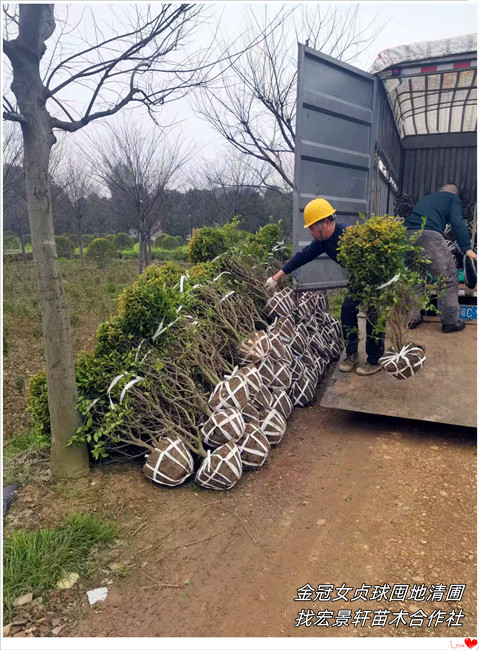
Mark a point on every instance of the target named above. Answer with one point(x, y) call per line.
point(441, 208)
point(319, 217)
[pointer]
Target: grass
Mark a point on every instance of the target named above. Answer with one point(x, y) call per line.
point(34, 561)
point(23, 442)
point(336, 298)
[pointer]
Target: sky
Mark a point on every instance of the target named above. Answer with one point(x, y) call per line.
point(401, 23)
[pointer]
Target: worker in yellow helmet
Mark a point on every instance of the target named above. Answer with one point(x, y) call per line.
point(320, 218)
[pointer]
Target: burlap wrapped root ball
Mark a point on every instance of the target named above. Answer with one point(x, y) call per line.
point(255, 348)
point(222, 427)
point(266, 370)
point(230, 393)
point(250, 414)
point(171, 463)
point(405, 363)
point(282, 403)
point(273, 425)
point(281, 303)
point(252, 377)
point(297, 368)
point(221, 469)
point(263, 399)
point(254, 447)
point(303, 390)
point(300, 340)
point(280, 351)
point(282, 375)
point(284, 326)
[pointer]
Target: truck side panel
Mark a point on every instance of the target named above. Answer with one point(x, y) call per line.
point(425, 170)
point(334, 150)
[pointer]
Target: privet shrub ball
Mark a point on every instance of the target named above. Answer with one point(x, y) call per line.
point(87, 239)
point(170, 463)
point(273, 425)
point(169, 243)
point(266, 370)
point(405, 363)
point(159, 240)
point(63, 246)
point(221, 469)
point(230, 393)
point(254, 447)
point(263, 399)
point(281, 303)
point(253, 378)
point(282, 375)
point(254, 348)
point(222, 427)
point(122, 241)
point(100, 252)
point(282, 403)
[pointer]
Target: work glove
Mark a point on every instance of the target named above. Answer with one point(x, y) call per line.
point(270, 284)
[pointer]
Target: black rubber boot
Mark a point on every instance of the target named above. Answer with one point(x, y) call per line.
point(460, 325)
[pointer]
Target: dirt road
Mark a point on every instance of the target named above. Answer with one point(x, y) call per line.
point(345, 499)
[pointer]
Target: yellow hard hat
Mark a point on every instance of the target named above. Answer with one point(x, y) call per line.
point(316, 210)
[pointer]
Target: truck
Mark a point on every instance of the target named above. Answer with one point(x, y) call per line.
point(363, 140)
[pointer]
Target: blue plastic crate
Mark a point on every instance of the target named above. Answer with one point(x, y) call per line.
point(468, 312)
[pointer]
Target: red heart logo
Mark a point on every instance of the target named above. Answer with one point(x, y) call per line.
point(470, 642)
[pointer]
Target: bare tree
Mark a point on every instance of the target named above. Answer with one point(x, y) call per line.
point(253, 104)
point(132, 65)
point(138, 166)
point(78, 187)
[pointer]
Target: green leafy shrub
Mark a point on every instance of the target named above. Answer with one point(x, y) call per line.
point(179, 254)
point(386, 272)
point(159, 240)
point(207, 243)
point(180, 240)
point(64, 246)
point(38, 404)
point(122, 241)
point(264, 240)
point(75, 239)
point(150, 299)
point(169, 243)
point(100, 252)
point(10, 241)
point(110, 237)
point(87, 239)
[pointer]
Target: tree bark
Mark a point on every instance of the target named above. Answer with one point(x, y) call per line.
point(140, 253)
point(36, 25)
point(82, 259)
point(22, 243)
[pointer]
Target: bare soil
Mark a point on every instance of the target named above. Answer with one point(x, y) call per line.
point(345, 498)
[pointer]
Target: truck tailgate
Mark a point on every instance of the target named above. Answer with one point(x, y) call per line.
point(443, 391)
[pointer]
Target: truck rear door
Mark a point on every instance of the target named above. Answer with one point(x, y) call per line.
point(333, 152)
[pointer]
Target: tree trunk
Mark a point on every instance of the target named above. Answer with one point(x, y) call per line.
point(38, 139)
point(140, 252)
point(22, 243)
point(149, 252)
point(82, 260)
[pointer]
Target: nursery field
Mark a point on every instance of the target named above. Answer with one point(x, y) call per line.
point(346, 498)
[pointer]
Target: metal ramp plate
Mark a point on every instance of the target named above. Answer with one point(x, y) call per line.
point(443, 391)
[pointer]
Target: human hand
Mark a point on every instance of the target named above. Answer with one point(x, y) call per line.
point(270, 284)
point(470, 253)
